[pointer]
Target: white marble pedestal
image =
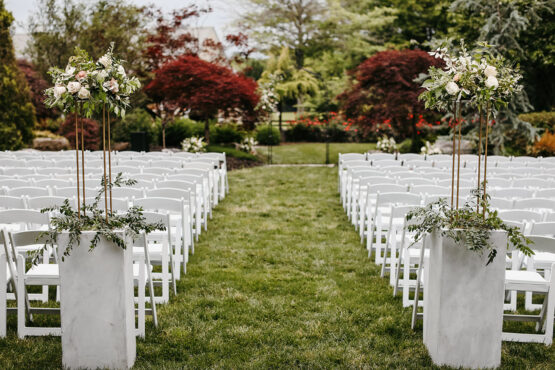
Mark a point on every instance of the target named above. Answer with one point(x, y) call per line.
point(463, 303)
point(97, 308)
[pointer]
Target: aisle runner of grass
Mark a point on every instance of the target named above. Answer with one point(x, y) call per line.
point(279, 280)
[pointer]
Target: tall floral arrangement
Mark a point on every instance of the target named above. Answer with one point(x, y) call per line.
point(91, 85)
point(478, 77)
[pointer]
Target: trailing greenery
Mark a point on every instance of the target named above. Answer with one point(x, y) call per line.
point(466, 226)
point(93, 218)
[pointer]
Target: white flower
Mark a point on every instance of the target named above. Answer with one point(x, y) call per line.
point(490, 71)
point(452, 88)
point(101, 76)
point(73, 87)
point(121, 70)
point(70, 70)
point(457, 77)
point(492, 82)
point(105, 60)
point(59, 91)
point(83, 93)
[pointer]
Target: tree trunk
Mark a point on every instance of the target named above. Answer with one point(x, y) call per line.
point(280, 108)
point(164, 136)
point(207, 131)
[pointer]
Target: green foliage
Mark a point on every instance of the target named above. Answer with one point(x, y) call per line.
point(16, 109)
point(227, 133)
point(466, 226)
point(231, 152)
point(94, 218)
point(543, 120)
point(267, 135)
point(10, 137)
point(301, 132)
point(138, 120)
point(180, 129)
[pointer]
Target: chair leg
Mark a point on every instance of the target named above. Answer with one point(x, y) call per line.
point(21, 299)
point(398, 271)
point(141, 288)
point(3, 295)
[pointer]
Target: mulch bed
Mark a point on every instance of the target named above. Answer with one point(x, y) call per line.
point(236, 164)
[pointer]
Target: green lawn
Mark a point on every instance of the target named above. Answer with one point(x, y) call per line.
point(280, 280)
point(297, 153)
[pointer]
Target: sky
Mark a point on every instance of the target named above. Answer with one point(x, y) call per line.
point(225, 12)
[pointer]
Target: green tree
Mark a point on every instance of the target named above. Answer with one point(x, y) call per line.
point(504, 25)
point(17, 115)
point(290, 82)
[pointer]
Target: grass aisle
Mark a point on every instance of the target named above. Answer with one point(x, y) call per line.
point(280, 280)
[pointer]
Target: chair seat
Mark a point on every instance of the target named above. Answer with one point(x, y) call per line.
point(154, 251)
point(43, 272)
point(526, 281)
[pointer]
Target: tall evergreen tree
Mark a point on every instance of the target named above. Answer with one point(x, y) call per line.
point(17, 115)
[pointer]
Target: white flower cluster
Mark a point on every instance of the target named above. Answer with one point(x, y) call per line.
point(194, 145)
point(387, 144)
point(480, 78)
point(429, 149)
point(100, 83)
point(248, 145)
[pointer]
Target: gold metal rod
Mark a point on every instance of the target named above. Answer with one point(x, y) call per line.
point(479, 158)
point(77, 160)
point(110, 159)
point(453, 167)
point(459, 155)
point(486, 159)
point(104, 157)
point(83, 165)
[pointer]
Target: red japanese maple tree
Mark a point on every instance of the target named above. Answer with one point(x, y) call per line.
point(386, 92)
point(37, 85)
point(205, 90)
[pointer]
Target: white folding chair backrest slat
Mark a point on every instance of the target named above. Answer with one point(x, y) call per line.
point(30, 191)
point(512, 193)
point(546, 193)
point(521, 215)
point(127, 192)
point(543, 228)
point(535, 203)
point(15, 183)
point(8, 202)
point(38, 203)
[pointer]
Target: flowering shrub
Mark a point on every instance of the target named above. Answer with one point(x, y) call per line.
point(387, 144)
point(429, 149)
point(194, 145)
point(91, 84)
point(332, 126)
point(480, 78)
point(248, 145)
point(545, 146)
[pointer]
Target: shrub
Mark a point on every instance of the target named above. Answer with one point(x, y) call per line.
point(337, 134)
point(232, 152)
point(138, 120)
point(304, 132)
point(225, 134)
point(91, 132)
point(10, 137)
point(545, 146)
point(37, 85)
point(267, 135)
point(180, 129)
point(545, 120)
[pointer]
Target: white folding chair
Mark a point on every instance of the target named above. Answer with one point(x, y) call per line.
point(520, 215)
point(533, 281)
point(8, 202)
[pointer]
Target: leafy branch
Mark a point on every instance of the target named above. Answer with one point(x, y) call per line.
point(93, 218)
point(465, 225)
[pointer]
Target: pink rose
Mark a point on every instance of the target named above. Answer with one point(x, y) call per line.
point(81, 75)
point(114, 86)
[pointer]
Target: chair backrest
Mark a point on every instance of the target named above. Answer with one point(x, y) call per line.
point(416, 181)
point(158, 170)
point(30, 191)
point(542, 243)
point(185, 177)
point(118, 204)
point(157, 217)
point(71, 191)
point(520, 225)
point(132, 163)
point(127, 192)
point(380, 156)
point(24, 217)
point(52, 170)
point(126, 170)
point(351, 156)
point(385, 163)
point(167, 164)
point(512, 193)
point(356, 163)
point(7, 202)
point(10, 162)
point(535, 203)
point(410, 157)
point(430, 189)
point(543, 228)
point(160, 204)
point(397, 198)
point(386, 188)
point(520, 215)
point(176, 184)
point(169, 193)
point(15, 183)
point(545, 193)
point(53, 182)
point(499, 182)
point(38, 203)
point(501, 203)
point(532, 183)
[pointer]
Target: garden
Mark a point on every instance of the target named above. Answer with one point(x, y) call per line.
point(315, 184)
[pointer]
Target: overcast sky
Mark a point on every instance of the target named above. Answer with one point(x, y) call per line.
point(224, 14)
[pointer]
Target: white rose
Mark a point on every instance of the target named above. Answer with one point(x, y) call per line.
point(73, 87)
point(59, 90)
point(490, 71)
point(70, 70)
point(101, 76)
point(452, 88)
point(105, 61)
point(83, 93)
point(492, 82)
point(121, 70)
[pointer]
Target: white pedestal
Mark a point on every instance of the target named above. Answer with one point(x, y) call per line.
point(463, 303)
point(97, 309)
